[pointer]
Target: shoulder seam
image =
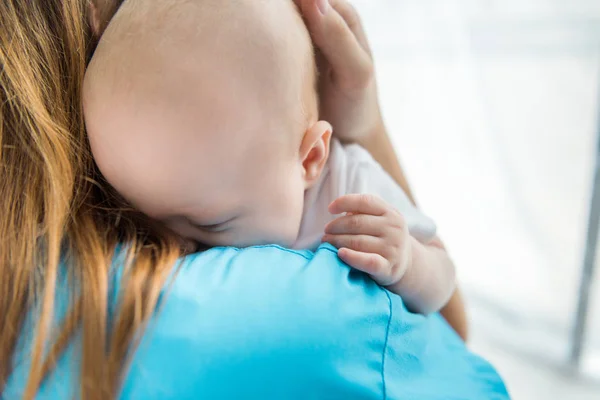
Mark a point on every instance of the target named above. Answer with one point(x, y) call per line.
point(387, 334)
point(329, 250)
point(385, 344)
point(267, 246)
point(289, 251)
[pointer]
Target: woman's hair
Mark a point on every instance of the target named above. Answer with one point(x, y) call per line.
point(59, 221)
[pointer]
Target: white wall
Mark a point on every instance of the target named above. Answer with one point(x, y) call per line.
point(492, 106)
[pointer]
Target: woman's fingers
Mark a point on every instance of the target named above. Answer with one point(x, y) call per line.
point(370, 263)
point(351, 63)
point(350, 15)
point(356, 224)
point(359, 204)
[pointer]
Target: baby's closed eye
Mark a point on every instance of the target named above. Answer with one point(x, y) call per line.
point(218, 227)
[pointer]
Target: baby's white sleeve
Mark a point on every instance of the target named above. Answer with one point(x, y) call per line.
point(367, 176)
point(349, 170)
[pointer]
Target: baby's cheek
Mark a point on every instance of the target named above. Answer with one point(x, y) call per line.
point(280, 212)
point(289, 221)
point(275, 226)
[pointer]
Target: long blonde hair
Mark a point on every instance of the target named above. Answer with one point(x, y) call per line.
point(56, 212)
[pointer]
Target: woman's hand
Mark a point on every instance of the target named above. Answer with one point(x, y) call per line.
point(347, 86)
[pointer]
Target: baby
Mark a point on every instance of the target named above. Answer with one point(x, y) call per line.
point(204, 115)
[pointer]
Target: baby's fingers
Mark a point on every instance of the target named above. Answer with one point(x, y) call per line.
point(356, 224)
point(369, 263)
point(359, 204)
point(363, 243)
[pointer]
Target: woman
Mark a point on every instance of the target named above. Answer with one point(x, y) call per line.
point(83, 274)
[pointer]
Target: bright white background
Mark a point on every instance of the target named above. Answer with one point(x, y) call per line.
point(492, 106)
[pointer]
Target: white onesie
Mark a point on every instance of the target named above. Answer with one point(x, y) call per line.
point(349, 170)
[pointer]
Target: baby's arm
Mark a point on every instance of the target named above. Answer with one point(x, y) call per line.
point(373, 237)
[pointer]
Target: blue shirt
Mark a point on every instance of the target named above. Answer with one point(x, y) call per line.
point(271, 323)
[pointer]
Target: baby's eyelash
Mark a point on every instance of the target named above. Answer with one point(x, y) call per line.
point(215, 228)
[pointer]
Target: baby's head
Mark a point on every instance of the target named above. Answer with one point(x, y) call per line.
point(204, 115)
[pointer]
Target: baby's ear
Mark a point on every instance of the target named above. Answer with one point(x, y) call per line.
point(314, 151)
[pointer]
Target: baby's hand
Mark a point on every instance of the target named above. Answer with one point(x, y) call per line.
point(372, 237)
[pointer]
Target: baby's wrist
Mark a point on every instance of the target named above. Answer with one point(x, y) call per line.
point(409, 283)
point(429, 280)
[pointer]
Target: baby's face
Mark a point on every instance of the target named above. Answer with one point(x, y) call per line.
point(205, 134)
point(236, 192)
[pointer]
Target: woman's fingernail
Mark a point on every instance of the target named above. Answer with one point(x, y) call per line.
point(323, 6)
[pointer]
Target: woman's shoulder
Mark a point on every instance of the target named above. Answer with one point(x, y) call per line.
point(267, 282)
point(264, 322)
point(267, 322)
